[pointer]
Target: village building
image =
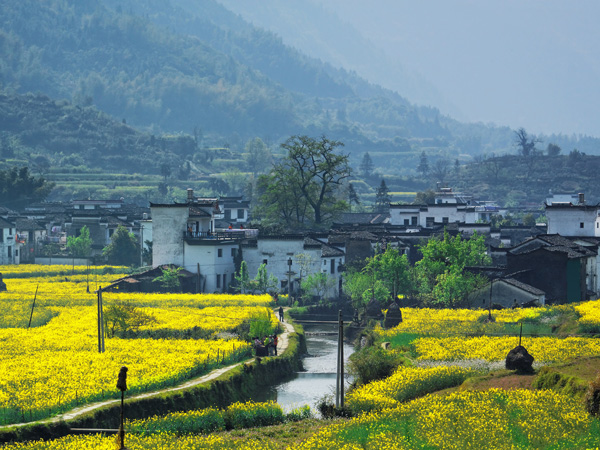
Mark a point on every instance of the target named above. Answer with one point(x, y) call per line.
point(9, 249)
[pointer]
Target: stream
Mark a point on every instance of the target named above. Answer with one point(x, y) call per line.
point(318, 378)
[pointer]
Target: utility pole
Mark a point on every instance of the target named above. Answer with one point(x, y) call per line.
point(33, 305)
point(289, 274)
point(339, 382)
point(100, 322)
point(141, 244)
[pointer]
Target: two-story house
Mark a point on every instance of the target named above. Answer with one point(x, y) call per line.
point(184, 234)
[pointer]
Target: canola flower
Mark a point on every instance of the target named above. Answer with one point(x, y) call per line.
point(162, 441)
point(497, 419)
point(405, 384)
point(55, 366)
point(430, 321)
point(491, 348)
point(589, 312)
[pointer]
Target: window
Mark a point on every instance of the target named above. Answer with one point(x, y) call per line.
point(224, 281)
point(413, 220)
point(429, 221)
point(241, 214)
point(445, 220)
point(233, 252)
point(1, 234)
point(9, 251)
point(406, 221)
point(16, 253)
point(580, 224)
point(227, 214)
point(265, 261)
point(324, 262)
point(332, 268)
point(219, 252)
point(218, 281)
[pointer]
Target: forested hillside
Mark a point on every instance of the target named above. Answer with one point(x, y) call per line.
point(200, 83)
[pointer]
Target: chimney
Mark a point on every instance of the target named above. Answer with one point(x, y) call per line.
point(190, 195)
point(581, 198)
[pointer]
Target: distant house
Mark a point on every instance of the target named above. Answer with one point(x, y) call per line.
point(507, 292)
point(563, 269)
point(568, 219)
point(235, 211)
point(9, 250)
point(29, 235)
point(293, 257)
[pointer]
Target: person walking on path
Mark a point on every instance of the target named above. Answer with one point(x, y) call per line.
point(281, 313)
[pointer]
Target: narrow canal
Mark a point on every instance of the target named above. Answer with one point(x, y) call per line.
point(318, 378)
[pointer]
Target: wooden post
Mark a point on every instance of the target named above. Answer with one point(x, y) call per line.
point(100, 322)
point(520, 333)
point(198, 279)
point(33, 305)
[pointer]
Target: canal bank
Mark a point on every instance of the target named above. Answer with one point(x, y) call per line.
point(220, 388)
point(317, 379)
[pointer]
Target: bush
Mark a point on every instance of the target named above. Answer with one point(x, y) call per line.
point(297, 414)
point(329, 411)
point(250, 414)
point(373, 363)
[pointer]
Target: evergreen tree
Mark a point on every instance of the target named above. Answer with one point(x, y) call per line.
point(123, 249)
point(352, 196)
point(382, 198)
point(243, 278)
point(423, 166)
point(366, 166)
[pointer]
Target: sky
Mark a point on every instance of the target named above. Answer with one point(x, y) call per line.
point(530, 63)
point(517, 63)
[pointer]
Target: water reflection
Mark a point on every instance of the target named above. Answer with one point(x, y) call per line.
point(306, 388)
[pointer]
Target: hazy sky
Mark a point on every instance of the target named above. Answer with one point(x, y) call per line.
point(531, 63)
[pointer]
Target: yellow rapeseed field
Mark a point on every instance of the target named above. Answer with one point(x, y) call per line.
point(493, 419)
point(57, 365)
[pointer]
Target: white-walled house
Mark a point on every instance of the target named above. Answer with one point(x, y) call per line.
point(294, 257)
point(9, 250)
point(426, 216)
point(184, 234)
point(568, 219)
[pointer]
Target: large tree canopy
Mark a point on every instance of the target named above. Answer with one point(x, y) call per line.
point(304, 187)
point(18, 187)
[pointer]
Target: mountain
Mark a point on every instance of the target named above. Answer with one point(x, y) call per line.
point(318, 31)
point(193, 67)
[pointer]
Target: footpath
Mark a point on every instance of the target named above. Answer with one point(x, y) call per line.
point(76, 412)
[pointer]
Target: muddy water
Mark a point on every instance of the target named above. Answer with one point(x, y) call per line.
point(318, 379)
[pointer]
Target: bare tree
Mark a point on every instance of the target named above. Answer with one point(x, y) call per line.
point(525, 143)
point(440, 170)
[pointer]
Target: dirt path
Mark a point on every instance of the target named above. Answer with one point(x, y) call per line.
point(281, 348)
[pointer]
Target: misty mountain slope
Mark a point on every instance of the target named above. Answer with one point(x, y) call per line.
point(132, 69)
point(318, 31)
point(153, 77)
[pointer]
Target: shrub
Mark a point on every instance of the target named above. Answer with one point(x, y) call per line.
point(373, 363)
point(250, 414)
point(297, 414)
